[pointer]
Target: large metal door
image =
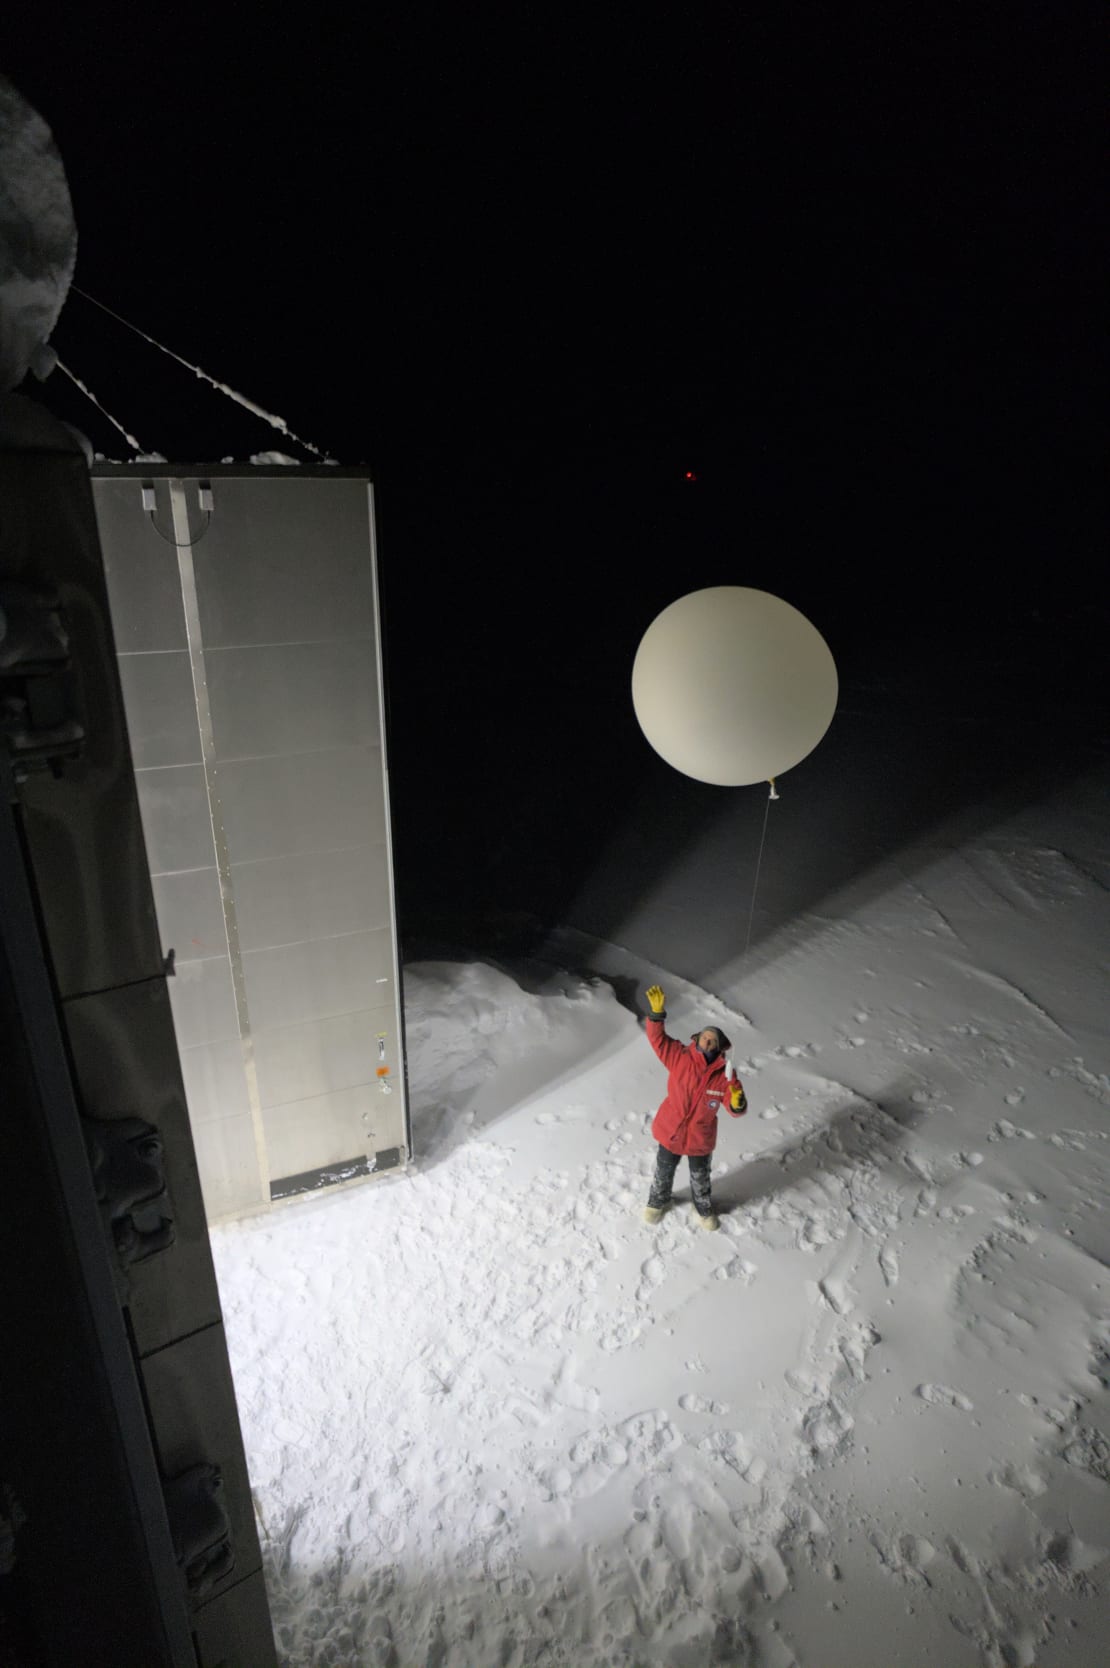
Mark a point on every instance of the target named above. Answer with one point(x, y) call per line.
point(244, 605)
point(132, 1533)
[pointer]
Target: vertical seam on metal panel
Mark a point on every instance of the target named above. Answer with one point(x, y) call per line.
point(398, 1018)
point(180, 511)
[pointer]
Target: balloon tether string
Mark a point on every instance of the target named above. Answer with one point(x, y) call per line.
point(774, 794)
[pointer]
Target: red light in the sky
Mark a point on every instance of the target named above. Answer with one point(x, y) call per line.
point(690, 476)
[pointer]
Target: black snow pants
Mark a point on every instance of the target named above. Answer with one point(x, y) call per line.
point(666, 1163)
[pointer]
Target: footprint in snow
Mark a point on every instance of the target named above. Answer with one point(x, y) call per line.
point(730, 1448)
point(827, 1428)
point(940, 1395)
point(1023, 1479)
point(855, 1347)
point(699, 1404)
point(652, 1274)
point(738, 1268)
point(906, 1556)
point(888, 1263)
point(625, 1330)
point(836, 1296)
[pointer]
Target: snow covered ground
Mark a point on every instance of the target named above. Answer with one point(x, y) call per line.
point(494, 1420)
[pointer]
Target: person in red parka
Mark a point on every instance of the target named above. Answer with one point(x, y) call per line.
point(700, 1081)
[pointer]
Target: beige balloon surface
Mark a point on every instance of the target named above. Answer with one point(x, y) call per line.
point(732, 685)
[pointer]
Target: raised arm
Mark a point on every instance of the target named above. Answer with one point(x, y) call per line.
point(666, 1047)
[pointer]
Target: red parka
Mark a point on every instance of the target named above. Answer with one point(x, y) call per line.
point(686, 1123)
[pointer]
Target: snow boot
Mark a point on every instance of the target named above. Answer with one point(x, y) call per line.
point(653, 1214)
point(709, 1221)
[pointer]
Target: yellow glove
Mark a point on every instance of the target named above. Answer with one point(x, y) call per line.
point(656, 1000)
point(739, 1098)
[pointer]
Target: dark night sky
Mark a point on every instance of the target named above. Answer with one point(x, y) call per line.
point(530, 267)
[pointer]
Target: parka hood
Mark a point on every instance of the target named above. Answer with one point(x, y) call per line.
point(726, 1042)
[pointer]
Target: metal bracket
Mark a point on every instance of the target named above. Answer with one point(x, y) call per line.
point(130, 1182)
point(200, 1527)
point(37, 697)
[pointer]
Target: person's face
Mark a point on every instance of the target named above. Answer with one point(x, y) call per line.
point(709, 1042)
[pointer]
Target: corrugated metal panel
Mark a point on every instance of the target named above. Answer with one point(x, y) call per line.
point(250, 661)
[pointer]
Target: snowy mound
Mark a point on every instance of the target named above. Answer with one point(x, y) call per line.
point(465, 1018)
point(478, 1044)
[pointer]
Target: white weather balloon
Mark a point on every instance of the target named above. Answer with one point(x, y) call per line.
point(733, 685)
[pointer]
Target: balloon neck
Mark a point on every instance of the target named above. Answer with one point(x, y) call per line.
point(774, 793)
